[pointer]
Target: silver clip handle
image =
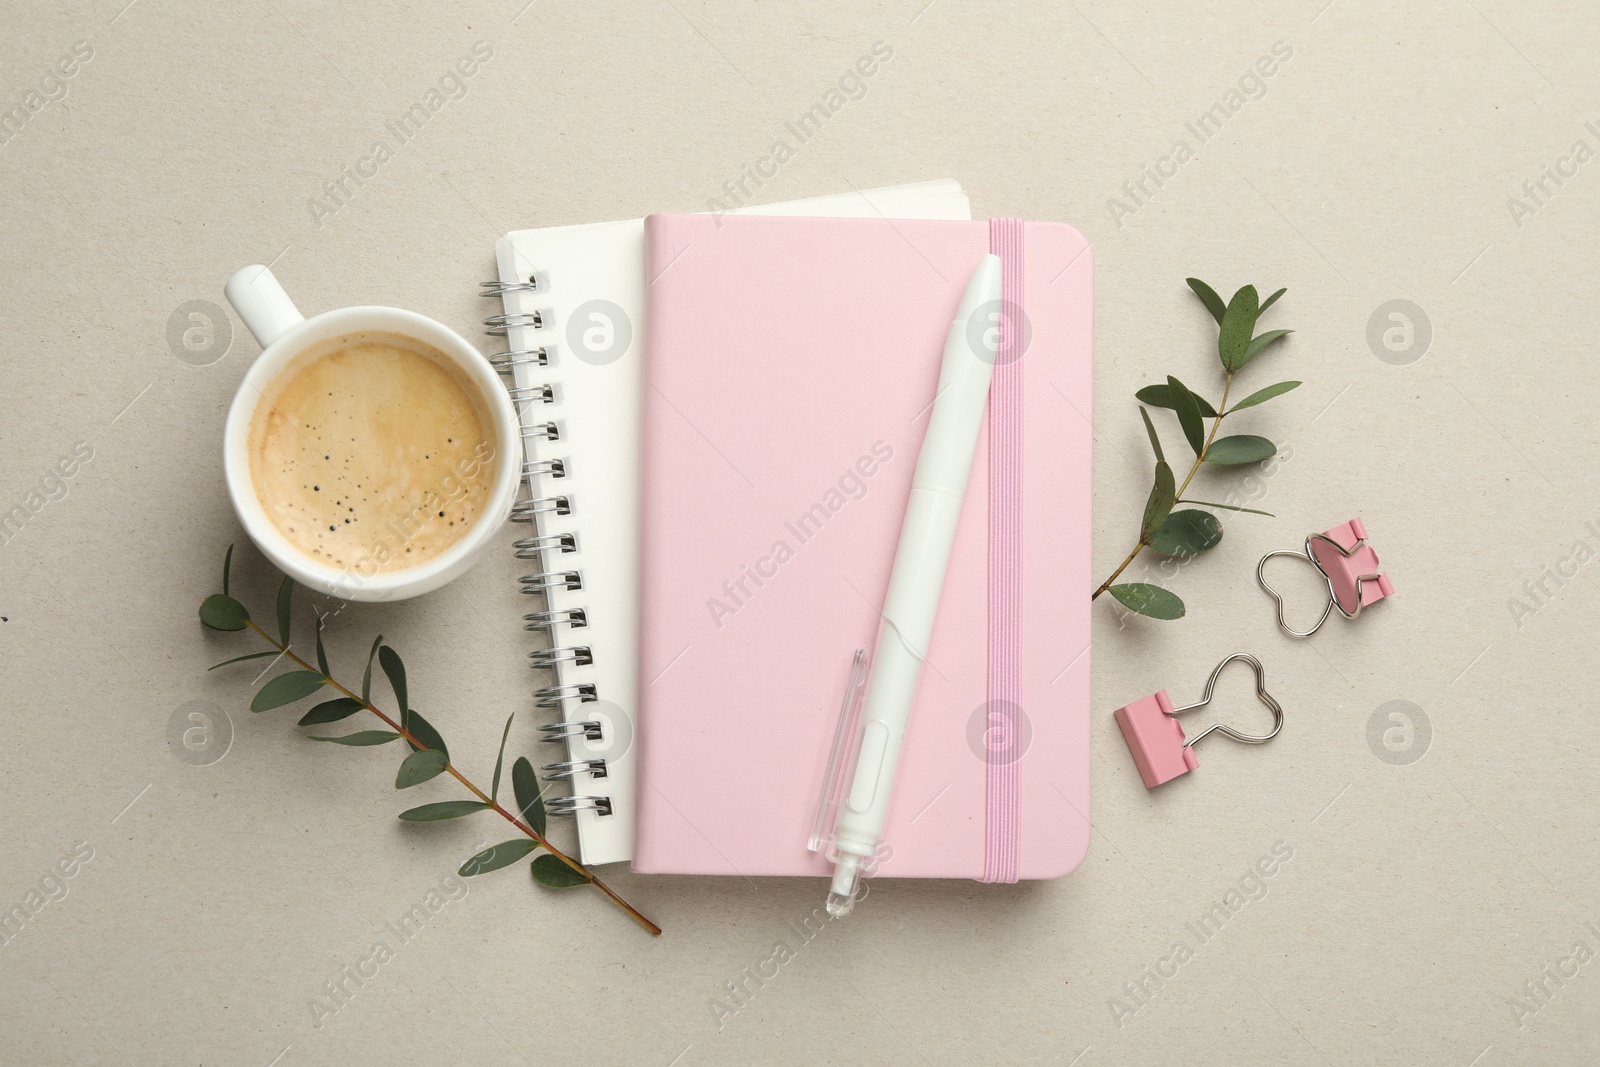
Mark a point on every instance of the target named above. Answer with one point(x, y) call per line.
point(1261, 694)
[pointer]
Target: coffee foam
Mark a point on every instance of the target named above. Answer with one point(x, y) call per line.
point(372, 453)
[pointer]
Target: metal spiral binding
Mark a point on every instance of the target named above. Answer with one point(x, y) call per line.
point(533, 284)
point(567, 769)
point(540, 658)
point(577, 618)
point(535, 547)
point(505, 361)
point(500, 324)
point(560, 731)
point(545, 468)
point(527, 510)
point(574, 804)
point(539, 581)
point(551, 696)
point(545, 394)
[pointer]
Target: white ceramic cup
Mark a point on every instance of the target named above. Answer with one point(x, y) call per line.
point(284, 334)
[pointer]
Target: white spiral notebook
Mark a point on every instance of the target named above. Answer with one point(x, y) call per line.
point(573, 316)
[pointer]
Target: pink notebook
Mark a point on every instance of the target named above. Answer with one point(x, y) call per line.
point(790, 367)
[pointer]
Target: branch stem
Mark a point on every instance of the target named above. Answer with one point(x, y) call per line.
point(491, 803)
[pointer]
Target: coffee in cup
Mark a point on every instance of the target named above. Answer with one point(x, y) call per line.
point(371, 453)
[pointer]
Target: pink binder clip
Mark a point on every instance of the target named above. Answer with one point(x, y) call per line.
point(1348, 564)
point(1157, 741)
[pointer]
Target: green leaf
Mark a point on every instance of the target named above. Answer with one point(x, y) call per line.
point(241, 659)
point(220, 611)
point(525, 784)
point(547, 870)
point(1208, 296)
point(418, 767)
point(1269, 301)
point(366, 679)
point(1157, 507)
point(389, 660)
point(1228, 507)
point(1151, 600)
point(331, 711)
point(1241, 448)
point(424, 732)
point(1261, 396)
point(1155, 442)
point(1253, 349)
point(227, 565)
point(1160, 396)
point(502, 855)
point(494, 790)
point(1187, 533)
point(362, 738)
point(285, 601)
point(286, 688)
point(444, 809)
point(1237, 325)
point(322, 657)
point(1183, 403)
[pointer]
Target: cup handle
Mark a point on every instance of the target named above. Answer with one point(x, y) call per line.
point(261, 302)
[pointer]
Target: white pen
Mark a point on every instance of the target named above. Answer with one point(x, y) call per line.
point(920, 561)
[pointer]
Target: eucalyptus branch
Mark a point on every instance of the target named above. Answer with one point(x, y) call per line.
point(1185, 534)
point(429, 756)
point(1200, 457)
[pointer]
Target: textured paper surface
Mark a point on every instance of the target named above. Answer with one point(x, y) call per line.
point(1374, 165)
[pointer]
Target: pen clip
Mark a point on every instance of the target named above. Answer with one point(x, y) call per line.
point(841, 760)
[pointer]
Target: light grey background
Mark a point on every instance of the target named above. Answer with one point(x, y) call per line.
point(1376, 166)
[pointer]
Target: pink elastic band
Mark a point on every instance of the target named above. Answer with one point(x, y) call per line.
point(1003, 830)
